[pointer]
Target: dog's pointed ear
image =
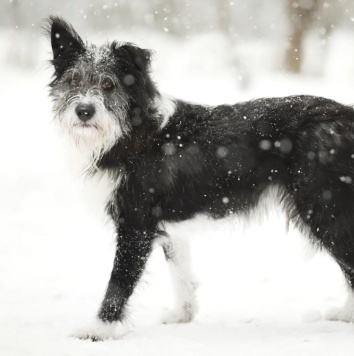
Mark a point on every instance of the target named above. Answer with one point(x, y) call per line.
point(133, 56)
point(67, 45)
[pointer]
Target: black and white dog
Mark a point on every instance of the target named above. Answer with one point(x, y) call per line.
point(171, 160)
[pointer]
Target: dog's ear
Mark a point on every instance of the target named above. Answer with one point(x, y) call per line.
point(133, 56)
point(67, 45)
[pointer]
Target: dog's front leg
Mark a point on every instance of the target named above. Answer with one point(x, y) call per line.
point(133, 249)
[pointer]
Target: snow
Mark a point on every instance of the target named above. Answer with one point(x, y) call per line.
point(262, 291)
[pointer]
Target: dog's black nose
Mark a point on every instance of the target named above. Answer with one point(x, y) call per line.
point(85, 111)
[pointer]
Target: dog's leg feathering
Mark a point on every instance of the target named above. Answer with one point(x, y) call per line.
point(99, 331)
point(133, 249)
point(179, 262)
point(346, 312)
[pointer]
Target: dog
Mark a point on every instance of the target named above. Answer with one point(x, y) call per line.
point(172, 160)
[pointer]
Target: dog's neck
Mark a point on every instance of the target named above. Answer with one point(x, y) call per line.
point(128, 152)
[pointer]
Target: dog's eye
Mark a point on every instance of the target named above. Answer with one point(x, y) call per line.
point(107, 85)
point(74, 82)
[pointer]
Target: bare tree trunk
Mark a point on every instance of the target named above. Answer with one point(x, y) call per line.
point(293, 56)
point(223, 13)
point(301, 15)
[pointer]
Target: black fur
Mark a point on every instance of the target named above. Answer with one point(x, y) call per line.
point(66, 45)
point(218, 161)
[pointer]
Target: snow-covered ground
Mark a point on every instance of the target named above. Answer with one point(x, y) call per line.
point(262, 291)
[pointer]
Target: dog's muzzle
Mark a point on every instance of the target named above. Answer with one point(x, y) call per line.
point(85, 112)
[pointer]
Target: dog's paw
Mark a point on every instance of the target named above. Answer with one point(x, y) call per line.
point(98, 331)
point(184, 314)
point(340, 314)
point(88, 335)
point(345, 313)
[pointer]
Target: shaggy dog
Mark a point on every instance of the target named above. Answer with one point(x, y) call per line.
point(171, 160)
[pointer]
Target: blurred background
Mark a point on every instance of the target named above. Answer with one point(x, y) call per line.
point(248, 37)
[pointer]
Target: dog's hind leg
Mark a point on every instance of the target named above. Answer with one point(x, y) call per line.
point(346, 312)
point(327, 208)
point(334, 233)
point(335, 238)
point(178, 258)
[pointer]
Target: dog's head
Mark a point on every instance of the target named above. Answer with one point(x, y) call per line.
point(100, 94)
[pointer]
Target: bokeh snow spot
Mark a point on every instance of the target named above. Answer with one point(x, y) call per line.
point(222, 152)
point(169, 149)
point(346, 179)
point(327, 195)
point(225, 200)
point(285, 145)
point(265, 145)
point(129, 79)
point(311, 155)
